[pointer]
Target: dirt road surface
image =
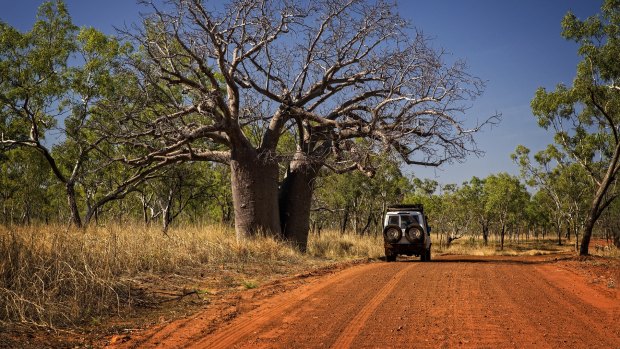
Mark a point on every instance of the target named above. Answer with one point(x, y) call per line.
point(452, 302)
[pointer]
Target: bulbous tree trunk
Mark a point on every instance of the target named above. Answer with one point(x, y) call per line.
point(254, 180)
point(295, 200)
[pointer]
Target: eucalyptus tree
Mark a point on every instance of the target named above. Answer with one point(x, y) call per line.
point(350, 78)
point(53, 79)
point(356, 200)
point(575, 189)
point(610, 223)
point(586, 115)
point(24, 186)
point(33, 82)
point(541, 210)
point(544, 174)
point(426, 192)
point(506, 198)
point(474, 200)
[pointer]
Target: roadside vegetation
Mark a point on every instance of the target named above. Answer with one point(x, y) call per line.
point(60, 277)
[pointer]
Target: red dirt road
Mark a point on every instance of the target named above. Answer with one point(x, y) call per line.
point(468, 302)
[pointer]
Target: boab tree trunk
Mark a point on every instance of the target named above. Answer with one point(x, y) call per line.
point(295, 200)
point(254, 180)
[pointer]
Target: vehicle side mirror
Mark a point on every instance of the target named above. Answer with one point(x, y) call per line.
point(429, 229)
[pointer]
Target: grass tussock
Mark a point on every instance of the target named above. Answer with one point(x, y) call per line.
point(336, 246)
point(605, 250)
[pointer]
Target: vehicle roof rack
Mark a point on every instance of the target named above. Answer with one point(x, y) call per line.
point(406, 207)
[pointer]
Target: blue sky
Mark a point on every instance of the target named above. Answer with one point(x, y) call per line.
point(516, 46)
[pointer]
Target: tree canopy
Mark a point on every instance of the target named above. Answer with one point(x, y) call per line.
point(585, 116)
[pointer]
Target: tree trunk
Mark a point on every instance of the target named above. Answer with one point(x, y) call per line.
point(254, 182)
point(72, 202)
point(145, 207)
point(587, 233)
point(295, 199)
point(576, 240)
point(368, 222)
point(485, 234)
point(345, 220)
point(503, 233)
point(166, 211)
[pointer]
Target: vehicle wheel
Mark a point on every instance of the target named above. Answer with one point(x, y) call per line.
point(414, 233)
point(423, 256)
point(389, 256)
point(392, 233)
point(428, 255)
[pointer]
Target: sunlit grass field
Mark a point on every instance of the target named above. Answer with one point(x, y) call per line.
point(57, 276)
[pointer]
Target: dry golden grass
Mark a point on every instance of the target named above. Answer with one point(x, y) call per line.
point(476, 247)
point(333, 245)
point(603, 249)
point(57, 277)
point(54, 276)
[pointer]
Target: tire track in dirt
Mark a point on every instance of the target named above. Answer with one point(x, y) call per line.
point(436, 306)
point(510, 312)
point(236, 331)
point(190, 332)
point(499, 303)
point(357, 323)
point(579, 310)
point(467, 314)
point(322, 318)
point(456, 301)
point(582, 299)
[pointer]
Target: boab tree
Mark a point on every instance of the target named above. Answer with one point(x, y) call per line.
point(586, 116)
point(348, 78)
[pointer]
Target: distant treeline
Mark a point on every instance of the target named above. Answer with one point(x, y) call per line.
point(498, 205)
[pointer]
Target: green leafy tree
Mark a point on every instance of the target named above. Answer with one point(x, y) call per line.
point(575, 189)
point(357, 200)
point(473, 199)
point(541, 214)
point(586, 115)
point(24, 187)
point(425, 192)
point(33, 83)
point(544, 175)
point(610, 223)
point(506, 198)
point(53, 80)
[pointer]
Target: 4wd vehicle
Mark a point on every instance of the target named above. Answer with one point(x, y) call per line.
point(406, 232)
